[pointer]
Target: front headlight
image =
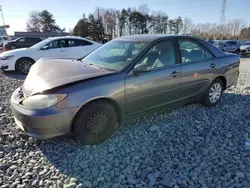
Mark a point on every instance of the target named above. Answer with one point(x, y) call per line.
point(43, 101)
point(6, 57)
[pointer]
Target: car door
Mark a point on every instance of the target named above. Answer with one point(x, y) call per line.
point(198, 67)
point(156, 88)
point(21, 43)
point(56, 49)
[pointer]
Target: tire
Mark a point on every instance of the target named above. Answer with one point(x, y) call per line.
point(23, 65)
point(12, 47)
point(95, 123)
point(218, 88)
point(237, 51)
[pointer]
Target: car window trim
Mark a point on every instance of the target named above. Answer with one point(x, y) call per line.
point(199, 43)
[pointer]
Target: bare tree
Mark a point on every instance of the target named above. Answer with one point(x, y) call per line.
point(187, 25)
point(143, 9)
point(237, 25)
point(33, 24)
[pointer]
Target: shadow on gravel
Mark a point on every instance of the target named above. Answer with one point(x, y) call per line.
point(14, 75)
point(192, 142)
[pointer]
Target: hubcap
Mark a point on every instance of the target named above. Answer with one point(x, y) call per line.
point(97, 123)
point(215, 93)
point(24, 66)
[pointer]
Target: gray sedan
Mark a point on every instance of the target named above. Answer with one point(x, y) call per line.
point(122, 79)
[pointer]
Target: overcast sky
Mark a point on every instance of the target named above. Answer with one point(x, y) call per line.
point(67, 12)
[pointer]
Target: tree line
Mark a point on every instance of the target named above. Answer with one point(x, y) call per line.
point(112, 23)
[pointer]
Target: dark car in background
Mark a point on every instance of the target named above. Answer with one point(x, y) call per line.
point(22, 42)
point(123, 78)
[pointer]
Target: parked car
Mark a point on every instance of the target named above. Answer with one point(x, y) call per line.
point(22, 42)
point(228, 46)
point(245, 49)
point(60, 47)
point(124, 78)
point(3, 39)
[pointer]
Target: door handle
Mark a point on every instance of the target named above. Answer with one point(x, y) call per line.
point(174, 74)
point(213, 65)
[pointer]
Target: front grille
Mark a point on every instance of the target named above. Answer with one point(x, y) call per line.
point(25, 95)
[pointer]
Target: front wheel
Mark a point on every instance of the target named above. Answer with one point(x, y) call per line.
point(23, 65)
point(213, 93)
point(95, 122)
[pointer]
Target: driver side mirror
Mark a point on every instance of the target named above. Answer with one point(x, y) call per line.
point(45, 47)
point(141, 68)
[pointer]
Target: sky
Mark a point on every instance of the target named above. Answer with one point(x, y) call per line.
point(68, 12)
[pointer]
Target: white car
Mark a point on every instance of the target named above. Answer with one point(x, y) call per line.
point(57, 47)
point(245, 49)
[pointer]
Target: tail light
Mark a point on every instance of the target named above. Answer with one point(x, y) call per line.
point(238, 62)
point(4, 48)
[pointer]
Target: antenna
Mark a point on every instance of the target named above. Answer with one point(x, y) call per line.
point(223, 9)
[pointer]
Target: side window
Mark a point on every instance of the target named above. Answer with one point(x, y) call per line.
point(233, 43)
point(22, 40)
point(57, 44)
point(193, 51)
point(77, 42)
point(31, 39)
point(162, 54)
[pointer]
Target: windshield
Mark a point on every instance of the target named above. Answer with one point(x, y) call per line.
point(41, 44)
point(115, 55)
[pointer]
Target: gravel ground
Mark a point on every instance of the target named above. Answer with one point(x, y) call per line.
point(192, 146)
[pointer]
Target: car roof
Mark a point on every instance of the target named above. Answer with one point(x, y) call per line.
point(151, 37)
point(65, 37)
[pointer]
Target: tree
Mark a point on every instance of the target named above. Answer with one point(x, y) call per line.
point(187, 25)
point(42, 22)
point(122, 22)
point(178, 24)
point(81, 28)
point(95, 28)
point(245, 33)
point(48, 23)
point(33, 24)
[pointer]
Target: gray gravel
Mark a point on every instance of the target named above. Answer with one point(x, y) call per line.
point(191, 146)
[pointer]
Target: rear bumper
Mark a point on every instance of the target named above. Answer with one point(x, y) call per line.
point(42, 123)
point(232, 79)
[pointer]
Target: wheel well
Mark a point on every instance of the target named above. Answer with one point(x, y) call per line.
point(224, 81)
point(110, 101)
point(23, 58)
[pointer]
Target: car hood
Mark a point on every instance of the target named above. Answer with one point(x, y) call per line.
point(47, 74)
point(16, 51)
point(244, 47)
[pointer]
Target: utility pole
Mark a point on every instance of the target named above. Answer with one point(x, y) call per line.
point(3, 20)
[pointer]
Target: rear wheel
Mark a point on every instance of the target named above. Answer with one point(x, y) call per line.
point(213, 93)
point(12, 47)
point(23, 65)
point(95, 122)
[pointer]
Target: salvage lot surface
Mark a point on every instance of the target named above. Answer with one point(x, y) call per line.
point(191, 146)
